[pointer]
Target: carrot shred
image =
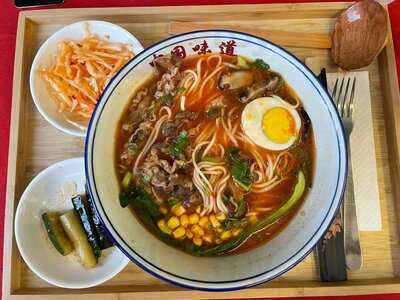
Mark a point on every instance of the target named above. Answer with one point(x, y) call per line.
point(80, 73)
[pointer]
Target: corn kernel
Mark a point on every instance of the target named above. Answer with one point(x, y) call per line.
point(189, 234)
point(198, 209)
point(193, 219)
point(253, 219)
point(196, 229)
point(208, 238)
point(214, 222)
point(173, 222)
point(197, 241)
point(221, 216)
point(226, 235)
point(178, 210)
point(203, 222)
point(179, 232)
point(184, 220)
point(219, 230)
point(236, 231)
point(163, 210)
point(163, 226)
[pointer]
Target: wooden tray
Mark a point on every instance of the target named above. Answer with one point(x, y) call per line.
point(35, 144)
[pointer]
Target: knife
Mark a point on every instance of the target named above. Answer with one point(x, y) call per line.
point(330, 249)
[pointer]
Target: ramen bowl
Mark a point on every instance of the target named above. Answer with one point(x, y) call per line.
point(242, 270)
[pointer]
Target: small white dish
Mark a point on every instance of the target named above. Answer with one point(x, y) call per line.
point(45, 56)
point(43, 194)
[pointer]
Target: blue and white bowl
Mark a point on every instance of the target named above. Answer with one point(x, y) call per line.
point(231, 272)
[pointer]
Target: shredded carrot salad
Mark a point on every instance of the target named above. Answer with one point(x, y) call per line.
point(80, 73)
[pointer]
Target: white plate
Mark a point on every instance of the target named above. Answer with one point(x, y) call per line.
point(36, 249)
point(45, 57)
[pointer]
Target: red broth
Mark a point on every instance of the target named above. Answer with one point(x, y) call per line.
point(181, 147)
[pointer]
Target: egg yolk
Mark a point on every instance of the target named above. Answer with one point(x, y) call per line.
point(278, 125)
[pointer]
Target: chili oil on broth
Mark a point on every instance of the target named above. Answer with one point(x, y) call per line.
point(164, 189)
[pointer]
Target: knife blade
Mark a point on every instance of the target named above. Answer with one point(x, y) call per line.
point(330, 249)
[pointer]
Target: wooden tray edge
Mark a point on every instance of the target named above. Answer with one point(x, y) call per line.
point(277, 10)
point(327, 290)
point(65, 12)
point(16, 112)
point(390, 89)
point(11, 291)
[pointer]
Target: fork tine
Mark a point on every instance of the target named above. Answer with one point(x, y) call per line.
point(346, 101)
point(335, 89)
point(338, 101)
point(351, 101)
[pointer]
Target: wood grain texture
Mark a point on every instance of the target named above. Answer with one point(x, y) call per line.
point(11, 265)
point(391, 105)
point(280, 37)
point(359, 35)
point(35, 144)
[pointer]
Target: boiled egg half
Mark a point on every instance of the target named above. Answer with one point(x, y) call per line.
point(271, 123)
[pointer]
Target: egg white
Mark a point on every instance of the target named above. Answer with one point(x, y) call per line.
point(252, 121)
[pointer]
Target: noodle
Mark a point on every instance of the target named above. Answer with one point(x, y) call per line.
point(204, 135)
point(228, 132)
point(184, 142)
point(211, 58)
point(152, 137)
point(200, 93)
point(195, 79)
point(211, 144)
point(198, 68)
point(232, 66)
point(182, 102)
point(220, 204)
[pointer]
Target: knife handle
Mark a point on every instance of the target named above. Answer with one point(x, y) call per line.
point(330, 249)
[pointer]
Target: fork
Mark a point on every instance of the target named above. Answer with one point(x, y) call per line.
point(345, 105)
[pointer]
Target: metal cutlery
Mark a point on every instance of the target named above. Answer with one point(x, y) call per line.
point(330, 249)
point(343, 94)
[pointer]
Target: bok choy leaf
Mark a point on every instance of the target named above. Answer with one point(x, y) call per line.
point(240, 168)
point(262, 224)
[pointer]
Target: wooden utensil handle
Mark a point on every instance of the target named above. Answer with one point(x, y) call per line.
point(280, 37)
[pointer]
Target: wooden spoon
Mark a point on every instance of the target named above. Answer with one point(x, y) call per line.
point(359, 35)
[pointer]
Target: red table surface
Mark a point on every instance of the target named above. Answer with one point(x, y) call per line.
point(8, 28)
